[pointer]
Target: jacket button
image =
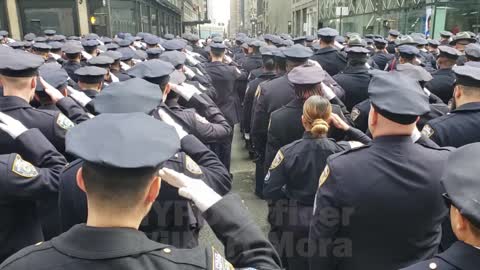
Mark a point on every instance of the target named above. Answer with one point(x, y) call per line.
point(432, 266)
point(167, 250)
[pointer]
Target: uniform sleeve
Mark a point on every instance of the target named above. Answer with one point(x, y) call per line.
point(210, 123)
point(216, 175)
point(276, 178)
point(61, 124)
point(354, 134)
point(33, 173)
point(245, 244)
point(260, 121)
point(323, 228)
point(247, 107)
point(273, 144)
point(432, 134)
point(72, 110)
point(337, 89)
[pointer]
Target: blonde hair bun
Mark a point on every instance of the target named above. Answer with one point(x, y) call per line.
point(319, 127)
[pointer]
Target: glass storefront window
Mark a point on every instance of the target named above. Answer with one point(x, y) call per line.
point(38, 16)
point(98, 17)
point(123, 17)
point(3, 16)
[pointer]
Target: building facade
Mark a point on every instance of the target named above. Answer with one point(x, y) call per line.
point(193, 15)
point(78, 17)
point(278, 16)
point(304, 17)
point(243, 17)
point(379, 16)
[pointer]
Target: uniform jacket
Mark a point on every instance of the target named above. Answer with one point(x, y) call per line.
point(379, 187)
point(354, 80)
point(84, 247)
point(26, 177)
point(331, 60)
point(442, 84)
point(382, 59)
point(460, 127)
point(253, 62)
point(70, 68)
point(223, 79)
point(460, 256)
point(172, 219)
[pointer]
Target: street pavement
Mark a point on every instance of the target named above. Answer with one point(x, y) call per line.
point(243, 170)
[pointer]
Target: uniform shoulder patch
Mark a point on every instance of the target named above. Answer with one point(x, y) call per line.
point(192, 166)
point(277, 160)
point(258, 92)
point(355, 113)
point(64, 122)
point(219, 262)
point(324, 176)
point(23, 168)
point(428, 131)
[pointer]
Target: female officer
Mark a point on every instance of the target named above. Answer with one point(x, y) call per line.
point(293, 179)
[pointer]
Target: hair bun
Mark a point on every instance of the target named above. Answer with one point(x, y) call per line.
point(319, 127)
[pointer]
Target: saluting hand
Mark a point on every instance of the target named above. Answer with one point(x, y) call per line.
point(51, 91)
point(193, 189)
point(169, 121)
point(11, 126)
point(338, 122)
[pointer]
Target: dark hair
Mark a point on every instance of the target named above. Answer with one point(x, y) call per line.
point(160, 81)
point(217, 52)
point(281, 63)
point(304, 91)
point(380, 46)
point(354, 60)
point(72, 56)
point(328, 40)
point(268, 62)
point(120, 186)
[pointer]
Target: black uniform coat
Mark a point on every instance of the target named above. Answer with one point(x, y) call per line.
point(379, 187)
point(460, 127)
point(52, 124)
point(223, 79)
point(331, 60)
point(460, 256)
point(252, 62)
point(21, 185)
point(70, 67)
point(85, 247)
point(172, 219)
point(250, 96)
point(442, 84)
point(354, 80)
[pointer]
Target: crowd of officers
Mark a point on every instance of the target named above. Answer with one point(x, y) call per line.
point(115, 152)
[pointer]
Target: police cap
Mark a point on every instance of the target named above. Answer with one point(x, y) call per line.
point(3, 33)
point(218, 46)
point(395, 95)
point(357, 51)
point(154, 52)
point(405, 40)
point(71, 48)
point(40, 40)
point(310, 38)
point(380, 41)
point(17, 45)
point(467, 75)
point(461, 182)
point(140, 55)
point(448, 52)
point(462, 38)
point(327, 32)
point(356, 41)
point(56, 45)
point(394, 33)
point(90, 43)
point(125, 42)
point(414, 71)
point(472, 51)
point(29, 37)
point(298, 51)
point(175, 58)
point(112, 46)
point(54, 74)
point(433, 43)
point(17, 63)
point(407, 51)
point(168, 36)
point(41, 47)
point(268, 50)
point(100, 61)
point(106, 40)
point(152, 40)
point(90, 74)
point(113, 54)
point(91, 36)
point(127, 53)
point(123, 141)
point(446, 34)
point(306, 75)
point(134, 95)
point(59, 38)
point(151, 69)
point(49, 32)
point(174, 45)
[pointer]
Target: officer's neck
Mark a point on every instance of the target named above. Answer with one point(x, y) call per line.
point(217, 59)
point(108, 218)
point(23, 94)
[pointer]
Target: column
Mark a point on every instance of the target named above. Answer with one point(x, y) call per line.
point(83, 25)
point(13, 19)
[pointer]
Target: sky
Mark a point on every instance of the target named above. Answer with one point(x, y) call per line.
point(221, 10)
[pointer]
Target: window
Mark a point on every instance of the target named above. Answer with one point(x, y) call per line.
point(3, 16)
point(123, 16)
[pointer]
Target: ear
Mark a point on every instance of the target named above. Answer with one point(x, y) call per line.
point(100, 85)
point(459, 223)
point(33, 83)
point(457, 92)
point(80, 180)
point(153, 190)
point(372, 116)
point(166, 91)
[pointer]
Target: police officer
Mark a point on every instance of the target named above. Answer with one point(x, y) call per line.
point(27, 176)
point(443, 81)
point(425, 57)
point(354, 79)
point(472, 52)
point(91, 79)
point(460, 181)
point(254, 59)
point(381, 56)
point(18, 72)
point(268, 73)
point(404, 40)
point(328, 56)
point(73, 54)
point(293, 177)
point(223, 79)
point(392, 37)
point(460, 127)
point(459, 41)
point(115, 212)
point(360, 175)
point(57, 77)
point(445, 37)
point(115, 68)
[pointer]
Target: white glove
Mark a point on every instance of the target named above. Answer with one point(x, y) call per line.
point(313, 62)
point(125, 66)
point(51, 91)
point(191, 60)
point(169, 121)
point(193, 189)
point(228, 59)
point(185, 90)
point(189, 72)
point(328, 92)
point(55, 56)
point(86, 55)
point(13, 127)
point(79, 96)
